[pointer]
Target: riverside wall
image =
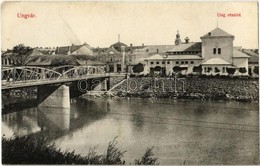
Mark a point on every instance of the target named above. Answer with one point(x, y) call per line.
point(190, 88)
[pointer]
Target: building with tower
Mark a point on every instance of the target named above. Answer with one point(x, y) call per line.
point(178, 39)
point(214, 55)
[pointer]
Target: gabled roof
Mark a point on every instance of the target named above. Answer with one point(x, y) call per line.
point(155, 57)
point(239, 54)
point(112, 49)
point(118, 46)
point(217, 32)
point(216, 61)
point(194, 46)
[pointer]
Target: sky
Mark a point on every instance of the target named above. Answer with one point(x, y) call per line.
point(99, 23)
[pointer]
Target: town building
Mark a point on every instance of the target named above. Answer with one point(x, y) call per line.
point(214, 54)
point(253, 61)
point(120, 57)
point(6, 59)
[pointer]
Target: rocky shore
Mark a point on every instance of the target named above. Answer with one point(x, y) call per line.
point(188, 88)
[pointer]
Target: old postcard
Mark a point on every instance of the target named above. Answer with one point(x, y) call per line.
point(126, 82)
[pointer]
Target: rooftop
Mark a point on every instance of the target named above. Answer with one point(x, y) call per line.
point(216, 61)
point(194, 46)
point(185, 57)
point(57, 59)
point(217, 32)
point(239, 54)
point(253, 59)
point(155, 57)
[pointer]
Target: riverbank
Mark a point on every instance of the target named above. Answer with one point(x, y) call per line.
point(188, 88)
point(30, 150)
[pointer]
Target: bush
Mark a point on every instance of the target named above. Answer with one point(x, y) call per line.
point(32, 150)
point(147, 159)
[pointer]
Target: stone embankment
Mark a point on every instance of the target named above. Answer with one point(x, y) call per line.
point(189, 88)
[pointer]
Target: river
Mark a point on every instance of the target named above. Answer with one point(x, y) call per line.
point(180, 132)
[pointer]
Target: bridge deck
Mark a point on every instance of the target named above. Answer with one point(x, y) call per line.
point(30, 83)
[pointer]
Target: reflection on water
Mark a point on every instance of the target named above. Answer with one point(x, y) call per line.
point(180, 131)
point(53, 118)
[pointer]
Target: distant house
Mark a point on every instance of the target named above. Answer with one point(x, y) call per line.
point(73, 55)
point(6, 59)
point(117, 57)
point(83, 49)
point(120, 57)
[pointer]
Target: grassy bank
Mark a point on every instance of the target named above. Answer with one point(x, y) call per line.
point(29, 150)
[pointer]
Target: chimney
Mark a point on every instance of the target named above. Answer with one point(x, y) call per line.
point(131, 45)
point(209, 33)
point(58, 50)
point(123, 63)
point(143, 44)
point(69, 50)
point(186, 40)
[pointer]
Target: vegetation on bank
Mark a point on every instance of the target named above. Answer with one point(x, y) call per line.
point(31, 150)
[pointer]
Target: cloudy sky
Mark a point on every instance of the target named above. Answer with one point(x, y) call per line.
point(99, 23)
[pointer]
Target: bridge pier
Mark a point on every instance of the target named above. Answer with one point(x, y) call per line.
point(54, 96)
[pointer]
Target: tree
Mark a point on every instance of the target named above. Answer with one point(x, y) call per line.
point(177, 69)
point(209, 69)
point(20, 54)
point(157, 68)
point(217, 70)
point(242, 70)
point(197, 69)
point(256, 70)
point(138, 68)
point(231, 71)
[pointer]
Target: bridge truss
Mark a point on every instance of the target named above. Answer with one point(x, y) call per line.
point(27, 74)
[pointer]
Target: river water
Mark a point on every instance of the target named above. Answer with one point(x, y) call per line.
point(180, 132)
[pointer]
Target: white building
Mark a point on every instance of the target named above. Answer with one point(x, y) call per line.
point(214, 54)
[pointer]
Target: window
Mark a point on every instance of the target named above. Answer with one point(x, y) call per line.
point(224, 70)
point(219, 50)
point(168, 62)
point(182, 62)
point(186, 62)
point(177, 62)
point(151, 63)
point(163, 62)
point(214, 50)
point(157, 63)
point(205, 69)
point(191, 62)
point(216, 70)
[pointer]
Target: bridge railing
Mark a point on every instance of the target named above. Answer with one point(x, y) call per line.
point(81, 71)
point(27, 74)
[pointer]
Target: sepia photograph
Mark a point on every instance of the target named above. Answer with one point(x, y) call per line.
point(130, 82)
